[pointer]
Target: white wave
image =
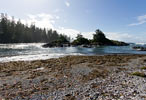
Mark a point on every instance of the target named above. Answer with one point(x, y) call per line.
point(21, 45)
point(34, 57)
point(140, 43)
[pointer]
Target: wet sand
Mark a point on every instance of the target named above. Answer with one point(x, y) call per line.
point(108, 77)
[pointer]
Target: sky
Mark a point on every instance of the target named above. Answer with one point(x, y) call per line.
point(123, 20)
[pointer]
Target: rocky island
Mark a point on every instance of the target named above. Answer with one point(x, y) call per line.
point(99, 39)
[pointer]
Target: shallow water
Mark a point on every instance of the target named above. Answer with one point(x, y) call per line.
point(34, 51)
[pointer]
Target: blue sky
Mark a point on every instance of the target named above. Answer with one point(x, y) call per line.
point(123, 20)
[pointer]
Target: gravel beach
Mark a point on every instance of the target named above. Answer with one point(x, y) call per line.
point(108, 77)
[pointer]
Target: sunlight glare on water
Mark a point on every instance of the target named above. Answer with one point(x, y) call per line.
point(35, 51)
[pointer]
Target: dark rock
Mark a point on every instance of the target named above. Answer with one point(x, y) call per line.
point(55, 44)
point(95, 96)
point(139, 48)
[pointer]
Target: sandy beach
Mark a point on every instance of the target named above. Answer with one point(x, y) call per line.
point(108, 77)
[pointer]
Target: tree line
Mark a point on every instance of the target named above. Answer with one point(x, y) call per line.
point(12, 31)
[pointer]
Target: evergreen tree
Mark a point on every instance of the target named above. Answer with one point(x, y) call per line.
point(80, 40)
point(99, 36)
point(16, 32)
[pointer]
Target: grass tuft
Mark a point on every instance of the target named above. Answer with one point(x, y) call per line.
point(143, 67)
point(140, 74)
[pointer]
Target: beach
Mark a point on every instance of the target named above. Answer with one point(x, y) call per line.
point(106, 77)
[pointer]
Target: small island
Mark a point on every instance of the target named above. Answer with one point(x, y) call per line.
point(99, 39)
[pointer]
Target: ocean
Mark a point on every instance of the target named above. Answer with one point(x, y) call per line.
point(35, 51)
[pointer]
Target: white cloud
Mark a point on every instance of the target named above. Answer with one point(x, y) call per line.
point(118, 36)
point(42, 20)
point(88, 35)
point(140, 19)
point(126, 37)
point(69, 32)
point(67, 4)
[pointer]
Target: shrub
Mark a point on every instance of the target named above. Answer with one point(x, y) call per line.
point(140, 74)
point(143, 67)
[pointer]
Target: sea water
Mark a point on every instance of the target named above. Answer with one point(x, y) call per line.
point(35, 51)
